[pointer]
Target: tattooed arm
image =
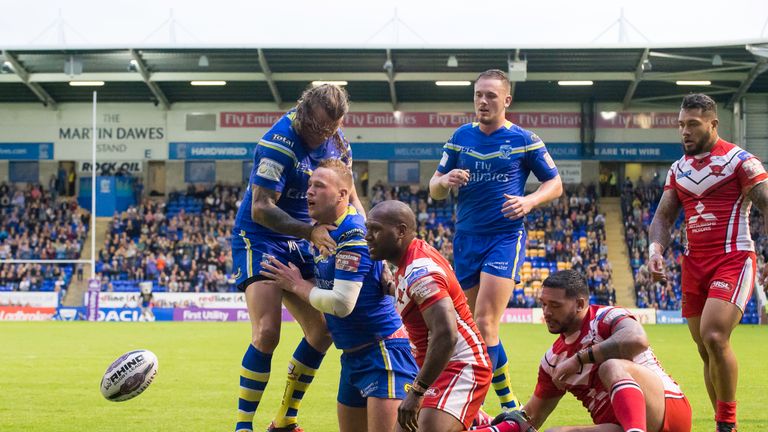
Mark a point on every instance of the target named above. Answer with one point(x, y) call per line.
point(660, 232)
point(627, 340)
point(265, 211)
point(759, 196)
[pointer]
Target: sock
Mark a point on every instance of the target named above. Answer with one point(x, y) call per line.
point(726, 412)
point(628, 403)
point(254, 375)
point(501, 381)
point(501, 427)
point(301, 371)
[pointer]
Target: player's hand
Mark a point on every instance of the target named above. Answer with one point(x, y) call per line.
point(286, 277)
point(516, 207)
point(408, 412)
point(565, 369)
point(321, 239)
point(656, 267)
point(455, 178)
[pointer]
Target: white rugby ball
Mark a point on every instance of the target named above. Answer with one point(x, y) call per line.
point(129, 375)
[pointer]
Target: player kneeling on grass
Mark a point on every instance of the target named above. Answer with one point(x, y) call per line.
point(455, 370)
point(377, 362)
point(603, 358)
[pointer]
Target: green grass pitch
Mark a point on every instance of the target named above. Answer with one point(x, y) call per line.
point(50, 374)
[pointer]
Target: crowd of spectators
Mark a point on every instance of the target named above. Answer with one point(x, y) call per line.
point(36, 225)
point(638, 202)
point(182, 246)
point(567, 233)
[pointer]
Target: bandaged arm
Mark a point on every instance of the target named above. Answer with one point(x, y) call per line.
point(340, 301)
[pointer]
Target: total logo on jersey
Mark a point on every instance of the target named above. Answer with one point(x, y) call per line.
point(282, 139)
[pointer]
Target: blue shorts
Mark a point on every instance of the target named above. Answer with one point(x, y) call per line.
point(249, 251)
point(382, 370)
point(499, 255)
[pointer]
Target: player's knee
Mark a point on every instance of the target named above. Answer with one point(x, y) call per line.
point(611, 371)
point(319, 337)
point(265, 339)
point(488, 326)
point(702, 351)
point(715, 341)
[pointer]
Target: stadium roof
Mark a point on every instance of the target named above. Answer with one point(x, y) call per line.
point(625, 75)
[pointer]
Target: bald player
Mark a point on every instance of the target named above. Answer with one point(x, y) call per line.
point(455, 370)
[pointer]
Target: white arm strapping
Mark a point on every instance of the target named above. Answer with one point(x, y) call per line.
point(339, 301)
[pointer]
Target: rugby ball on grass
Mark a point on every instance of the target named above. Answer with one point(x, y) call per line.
point(129, 375)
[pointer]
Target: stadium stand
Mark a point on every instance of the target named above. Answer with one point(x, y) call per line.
point(638, 204)
point(568, 233)
point(37, 224)
point(189, 251)
point(181, 247)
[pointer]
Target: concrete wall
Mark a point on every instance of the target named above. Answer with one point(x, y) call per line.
point(47, 169)
point(142, 131)
point(229, 172)
point(378, 170)
point(590, 172)
point(426, 170)
point(3, 171)
point(174, 176)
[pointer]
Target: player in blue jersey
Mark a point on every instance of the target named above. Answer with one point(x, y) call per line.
point(377, 363)
point(488, 163)
point(273, 221)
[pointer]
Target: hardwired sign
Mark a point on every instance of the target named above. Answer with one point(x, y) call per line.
point(211, 150)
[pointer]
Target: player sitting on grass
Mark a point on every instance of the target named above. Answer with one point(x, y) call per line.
point(377, 362)
point(603, 358)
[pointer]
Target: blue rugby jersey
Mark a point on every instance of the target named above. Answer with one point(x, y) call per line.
point(498, 164)
point(283, 163)
point(374, 316)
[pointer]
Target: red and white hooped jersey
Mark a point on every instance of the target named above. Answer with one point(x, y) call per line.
point(597, 326)
point(424, 277)
point(713, 190)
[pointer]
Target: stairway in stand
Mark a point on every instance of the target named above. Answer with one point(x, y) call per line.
point(623, 281)
point(77, 288)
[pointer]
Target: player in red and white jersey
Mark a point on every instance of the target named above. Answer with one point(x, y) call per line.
point(715, 183)
point(455, 370)
point(603, 358)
